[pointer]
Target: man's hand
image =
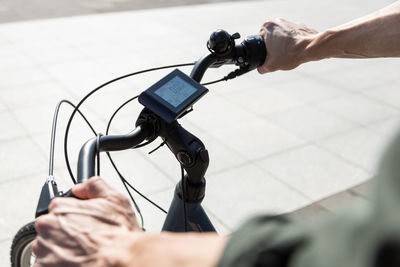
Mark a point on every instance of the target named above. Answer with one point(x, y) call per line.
point(75, 231)
point(291, 44)
point(101, 230)
point(285, 42)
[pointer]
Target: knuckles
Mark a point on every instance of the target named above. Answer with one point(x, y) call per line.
point(43, 223)
point(94, 183)
point(55, 203)
point(123, 200)
point(269, 25)
point(269, 22)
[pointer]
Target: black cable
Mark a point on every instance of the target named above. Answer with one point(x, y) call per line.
point(52, 145)
point(98, 152)
point(159, 146)
point(123, 179)
point(115, 167)
point(133, 188)
point(91, 93)
point(115, 113)
point(54, 128)
point(98, 163)
point(117, 110)
point(183, 198)
point(216, 81)
point(129, 192)
point(125, 182)
point(64, 101)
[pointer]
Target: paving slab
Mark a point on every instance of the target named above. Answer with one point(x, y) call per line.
point(314, 172)
point(243, 196)
point(362, 147)
point(360, 194)
point(5, 252)
point(353, 106)
point(17, 10)
point(312, 123)
point(288, 156)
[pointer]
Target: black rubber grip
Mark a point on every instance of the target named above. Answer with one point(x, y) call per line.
point(68, 194)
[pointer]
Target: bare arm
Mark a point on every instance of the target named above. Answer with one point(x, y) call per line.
point(292, 44)
point(166, 249)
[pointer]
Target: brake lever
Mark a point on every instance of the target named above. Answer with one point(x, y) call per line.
point(48, 193)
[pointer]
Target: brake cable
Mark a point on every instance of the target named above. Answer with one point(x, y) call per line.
point(183, 199)
point(54, 129)
point(76, 109)
point(124, 181)
point(91, 93)
point(52, 149)
point(102, 86)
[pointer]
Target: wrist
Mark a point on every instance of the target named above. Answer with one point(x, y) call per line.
point(305, 50)
point(116, 249)
point(171, 250)
point(321, 46)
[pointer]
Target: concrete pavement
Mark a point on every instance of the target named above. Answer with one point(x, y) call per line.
point(18, 10)
point(277, 142)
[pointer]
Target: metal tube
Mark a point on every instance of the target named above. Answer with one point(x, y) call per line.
point(87, 154)
point(53, 139)
point(201, 66)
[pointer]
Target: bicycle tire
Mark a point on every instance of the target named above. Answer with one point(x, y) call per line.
point(21, 255)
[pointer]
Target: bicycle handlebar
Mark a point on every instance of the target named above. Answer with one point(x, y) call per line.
point(248, 55)
point(87, 154)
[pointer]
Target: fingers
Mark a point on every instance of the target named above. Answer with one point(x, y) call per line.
point(45, 225)
point(35, 247)
point(113, 210)
point(40, 247)
point(68, 203)
point(285, 42)
point(95, 187)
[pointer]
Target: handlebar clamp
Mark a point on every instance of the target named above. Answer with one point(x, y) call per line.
point(149, 118)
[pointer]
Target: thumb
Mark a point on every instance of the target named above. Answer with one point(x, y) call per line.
point(263, 69)
point(95, 187)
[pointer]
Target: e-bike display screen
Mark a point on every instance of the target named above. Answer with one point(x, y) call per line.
point(170, 97)
point(175, 91)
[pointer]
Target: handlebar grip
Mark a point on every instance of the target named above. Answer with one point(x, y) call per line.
point(255, 51)
point(69, 194)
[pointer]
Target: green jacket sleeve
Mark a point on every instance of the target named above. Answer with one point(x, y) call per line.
point(264, 241)
point(363, 235)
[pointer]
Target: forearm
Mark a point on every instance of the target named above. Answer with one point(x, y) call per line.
point(168, 250)
point(375, 35)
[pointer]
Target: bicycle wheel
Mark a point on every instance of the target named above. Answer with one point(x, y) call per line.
point(21, 254)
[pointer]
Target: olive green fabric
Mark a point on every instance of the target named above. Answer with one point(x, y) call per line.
point(364, 235)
